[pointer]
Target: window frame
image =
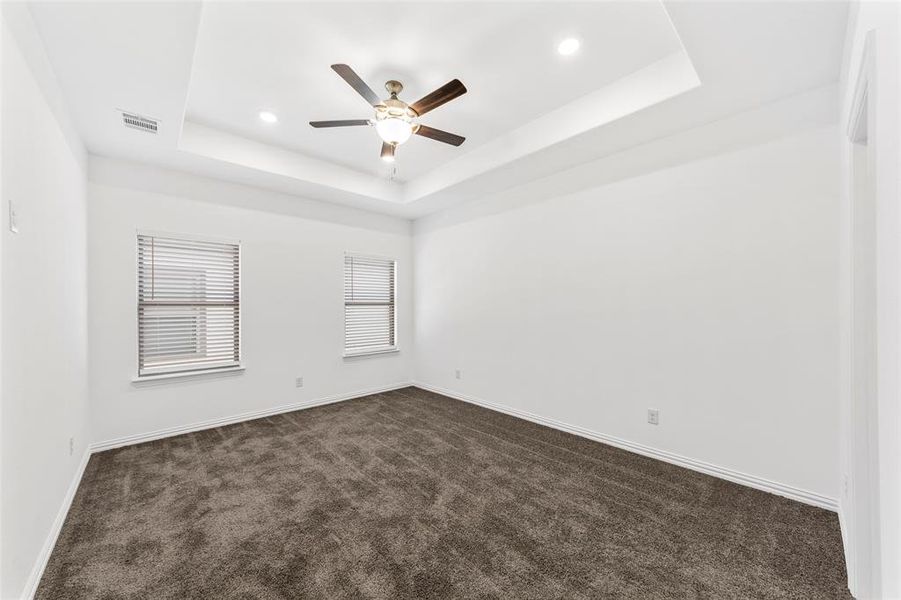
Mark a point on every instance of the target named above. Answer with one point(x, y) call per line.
point(376, 351)
point(190, 373)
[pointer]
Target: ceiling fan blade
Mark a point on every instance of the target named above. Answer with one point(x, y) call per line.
point(387, 152)
point(442, 136)
point(444, 94)
point(348, 75)
point(344, 123)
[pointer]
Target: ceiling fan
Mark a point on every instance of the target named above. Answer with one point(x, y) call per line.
point(395, 120)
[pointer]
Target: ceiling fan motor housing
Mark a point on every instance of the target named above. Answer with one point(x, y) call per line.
point(394, 87)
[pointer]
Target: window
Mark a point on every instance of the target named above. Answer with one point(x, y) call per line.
point(369, 302)
point(188, 305)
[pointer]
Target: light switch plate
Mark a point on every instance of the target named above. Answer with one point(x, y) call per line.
point(13, 219)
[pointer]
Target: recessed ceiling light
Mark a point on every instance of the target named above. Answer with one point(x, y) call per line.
point(568, 46)
point(268, 117)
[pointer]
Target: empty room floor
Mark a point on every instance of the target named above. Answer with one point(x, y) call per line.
point(409, 494)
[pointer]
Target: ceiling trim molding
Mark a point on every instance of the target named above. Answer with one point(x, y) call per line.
point(651, 85)
point(659, 81)
point(219, 145)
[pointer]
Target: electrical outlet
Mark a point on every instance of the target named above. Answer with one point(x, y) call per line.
point(298, 382)
point(653, 416)
point(13, 219)
point(458, 374)
point(71, 446)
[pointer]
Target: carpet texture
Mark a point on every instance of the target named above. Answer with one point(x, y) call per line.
point(410, 494)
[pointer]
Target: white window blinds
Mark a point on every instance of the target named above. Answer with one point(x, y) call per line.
point(369, 305)
point(188, 305)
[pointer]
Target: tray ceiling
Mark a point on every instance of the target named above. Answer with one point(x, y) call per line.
point(205, 70)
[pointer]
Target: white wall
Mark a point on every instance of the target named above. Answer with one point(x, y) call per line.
point(292, 297)
point(871, 409)
point(44, 302)
point(707, 290)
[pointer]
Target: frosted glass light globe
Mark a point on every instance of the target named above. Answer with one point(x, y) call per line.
point(394, 130)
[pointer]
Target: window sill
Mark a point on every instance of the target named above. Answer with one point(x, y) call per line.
point(187, 375)
point(371, 352)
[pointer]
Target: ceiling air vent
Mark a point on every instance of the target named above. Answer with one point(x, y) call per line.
point(138, 122)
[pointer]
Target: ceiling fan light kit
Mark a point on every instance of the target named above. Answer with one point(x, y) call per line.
point(395, 120)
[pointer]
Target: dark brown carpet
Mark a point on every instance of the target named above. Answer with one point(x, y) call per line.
point(410, 494)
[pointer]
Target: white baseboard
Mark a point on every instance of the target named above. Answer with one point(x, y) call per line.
point(696, 465)
point(139, 438)
point(760, 483)
point(847, 545)
point(31, 585)
point(40, 564)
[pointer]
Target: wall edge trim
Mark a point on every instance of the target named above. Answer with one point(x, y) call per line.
point(149, 436)
point(37, 571)
point(753, 481)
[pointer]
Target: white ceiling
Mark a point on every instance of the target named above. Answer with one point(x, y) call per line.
point(277, 56)
point(645, 70)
